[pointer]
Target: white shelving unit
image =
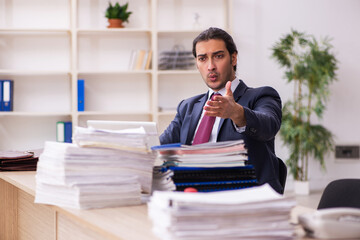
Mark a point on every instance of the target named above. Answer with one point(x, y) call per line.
point(46, 46)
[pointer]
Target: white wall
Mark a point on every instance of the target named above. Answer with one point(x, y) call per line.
point(259, 24)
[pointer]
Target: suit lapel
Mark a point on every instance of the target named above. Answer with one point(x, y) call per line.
point(239, 91)
point(195, 116)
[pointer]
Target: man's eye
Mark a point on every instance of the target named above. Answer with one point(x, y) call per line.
point(201, 59)
point(219, 56)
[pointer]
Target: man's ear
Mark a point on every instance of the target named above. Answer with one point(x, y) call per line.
point(234, 59)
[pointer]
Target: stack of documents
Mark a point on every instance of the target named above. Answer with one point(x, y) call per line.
point(134, 139)
point(213, 154)
point(253, 213)
point(162, 179)
point(94, 177)
point(206, 167)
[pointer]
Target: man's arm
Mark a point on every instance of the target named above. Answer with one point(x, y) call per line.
point(262, 117)
point(172, 132)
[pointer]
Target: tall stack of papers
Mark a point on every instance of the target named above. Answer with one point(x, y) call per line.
point(206, 167)
point(254, 213)
point(134, 139)
point(110, 173)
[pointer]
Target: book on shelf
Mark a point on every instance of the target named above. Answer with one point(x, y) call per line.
point(148, 60)
point(1, 95)
point(140, 59)
point(7, 92)
point(81, 94)
point(64, 131)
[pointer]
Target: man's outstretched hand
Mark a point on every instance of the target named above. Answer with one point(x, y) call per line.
point(226, 107)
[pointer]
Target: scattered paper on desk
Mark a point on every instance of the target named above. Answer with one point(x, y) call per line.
point(254, 213)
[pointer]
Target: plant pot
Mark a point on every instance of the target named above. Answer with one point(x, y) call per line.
point(302, 187)
point(115, 23)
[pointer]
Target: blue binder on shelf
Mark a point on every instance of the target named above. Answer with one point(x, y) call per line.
point(81, 95)
point(7, 95)
point(64, 131)
point(1, 93)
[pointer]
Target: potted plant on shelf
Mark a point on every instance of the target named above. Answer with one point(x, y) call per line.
point(311, 68)
point(117, 14)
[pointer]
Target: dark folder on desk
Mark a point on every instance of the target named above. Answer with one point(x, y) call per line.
point(203, 174)
point(213, 179)
point(18, 161)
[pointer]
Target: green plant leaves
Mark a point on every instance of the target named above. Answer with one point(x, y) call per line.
point(117, 11)
point(311, 66)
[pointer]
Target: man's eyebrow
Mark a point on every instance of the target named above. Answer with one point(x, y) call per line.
point(214, 53)
point(217, 52)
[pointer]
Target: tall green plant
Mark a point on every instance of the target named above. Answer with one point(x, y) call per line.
point(311, 67)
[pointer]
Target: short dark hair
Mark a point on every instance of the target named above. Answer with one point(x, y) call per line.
point(216, 33)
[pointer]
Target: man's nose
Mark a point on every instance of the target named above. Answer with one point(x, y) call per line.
point(211, 65)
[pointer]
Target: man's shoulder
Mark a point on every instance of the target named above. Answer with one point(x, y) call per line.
point(264, 90)
point(243, 89)
point(194, 99)
point(188, 104)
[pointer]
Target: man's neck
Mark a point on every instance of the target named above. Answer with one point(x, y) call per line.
point(234, 84)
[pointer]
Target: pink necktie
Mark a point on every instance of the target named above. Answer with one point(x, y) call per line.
point(204, 131)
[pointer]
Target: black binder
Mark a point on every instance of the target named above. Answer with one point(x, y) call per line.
point(205, 179)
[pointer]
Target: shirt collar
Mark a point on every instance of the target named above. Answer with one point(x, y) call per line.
point(222, 91)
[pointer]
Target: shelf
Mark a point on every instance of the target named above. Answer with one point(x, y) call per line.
point(113, 72)
point(35, 53)
point(33, 114)
point(32, 72)
point(109, 52)
point(101, 113)
point(113, 30)
point(33, 31)
point(46, 58)
point(170, 31)
point(167, 113)
point(177, 72)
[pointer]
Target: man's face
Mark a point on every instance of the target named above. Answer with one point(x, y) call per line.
point(215, 63)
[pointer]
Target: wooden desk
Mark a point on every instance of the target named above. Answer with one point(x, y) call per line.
point(21, 218)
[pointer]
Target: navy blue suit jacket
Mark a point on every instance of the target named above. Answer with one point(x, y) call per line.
point(262, 108)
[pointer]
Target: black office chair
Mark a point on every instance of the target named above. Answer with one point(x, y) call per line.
point(282, 173)
point(341, 193)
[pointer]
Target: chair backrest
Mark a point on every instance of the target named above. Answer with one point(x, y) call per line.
point(341, 193)
point(282, 173)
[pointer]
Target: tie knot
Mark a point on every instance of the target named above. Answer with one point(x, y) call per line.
point(215, 94)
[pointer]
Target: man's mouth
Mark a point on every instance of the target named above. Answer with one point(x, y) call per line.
point(212, 76)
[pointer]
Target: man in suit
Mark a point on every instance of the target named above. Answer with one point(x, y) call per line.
point(251, 114)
